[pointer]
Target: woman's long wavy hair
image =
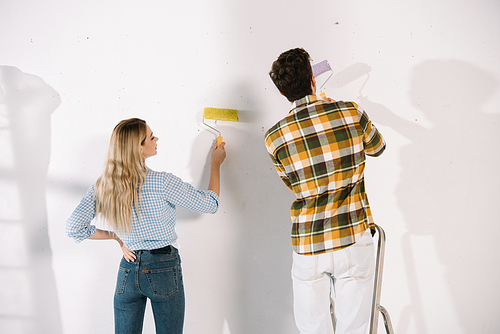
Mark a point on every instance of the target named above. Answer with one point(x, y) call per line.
point(118, 189)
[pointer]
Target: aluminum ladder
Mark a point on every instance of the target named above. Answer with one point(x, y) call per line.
point(377, 286)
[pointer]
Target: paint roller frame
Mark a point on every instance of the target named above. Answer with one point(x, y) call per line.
point(319, 69)
point(346, 76)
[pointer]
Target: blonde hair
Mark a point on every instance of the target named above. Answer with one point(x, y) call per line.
point(118, 189)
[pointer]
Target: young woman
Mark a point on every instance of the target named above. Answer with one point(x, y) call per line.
point(139, 204)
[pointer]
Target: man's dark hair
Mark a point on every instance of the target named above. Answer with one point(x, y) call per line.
point(291, 73)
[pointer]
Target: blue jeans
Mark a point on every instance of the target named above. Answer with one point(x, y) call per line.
point(157, 276)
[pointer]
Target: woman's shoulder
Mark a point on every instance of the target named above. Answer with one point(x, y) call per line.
point(159, 176)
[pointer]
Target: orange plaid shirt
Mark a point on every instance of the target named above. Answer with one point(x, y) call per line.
point(319, 151)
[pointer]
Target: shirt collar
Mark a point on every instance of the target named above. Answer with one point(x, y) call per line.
point(308, 99)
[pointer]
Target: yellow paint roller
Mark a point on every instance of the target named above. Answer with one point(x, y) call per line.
point(219, 114)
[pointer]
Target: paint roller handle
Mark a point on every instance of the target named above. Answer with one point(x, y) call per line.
point(219, 141)
point(216, 159)
point(218, 154)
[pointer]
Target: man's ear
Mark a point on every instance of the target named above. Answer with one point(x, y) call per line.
point(313, 84)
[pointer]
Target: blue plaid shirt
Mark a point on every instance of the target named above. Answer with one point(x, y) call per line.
point(160, 195)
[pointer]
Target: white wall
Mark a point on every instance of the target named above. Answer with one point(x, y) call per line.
point(426, 71)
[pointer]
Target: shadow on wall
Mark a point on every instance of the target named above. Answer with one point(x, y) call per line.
point(449, 186)
point(27, 284)
point(200, 174)
point(262, 300)
point(255, 293)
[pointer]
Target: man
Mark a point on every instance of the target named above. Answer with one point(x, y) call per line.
point(319, 152)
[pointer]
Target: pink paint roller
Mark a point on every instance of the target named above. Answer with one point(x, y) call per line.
point(319, 69)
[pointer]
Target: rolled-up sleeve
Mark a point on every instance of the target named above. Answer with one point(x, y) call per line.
point(78, 226)
point(185, 195)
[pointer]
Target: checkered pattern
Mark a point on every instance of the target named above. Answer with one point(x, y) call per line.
point(319, 150)
point(160, 195)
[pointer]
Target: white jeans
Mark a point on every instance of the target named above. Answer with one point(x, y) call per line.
point(351, 272)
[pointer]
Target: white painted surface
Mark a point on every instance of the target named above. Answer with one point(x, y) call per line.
point(427, 72)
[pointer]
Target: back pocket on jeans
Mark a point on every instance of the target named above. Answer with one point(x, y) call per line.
point(121, 280)
point(163, 281)
point(361, 260)
point(304, 267)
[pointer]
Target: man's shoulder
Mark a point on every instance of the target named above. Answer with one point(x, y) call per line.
point(320, 104)
point(340, 104)
point(273, 136)
point(344, 108)
point(273, 129)
point(350, 104)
